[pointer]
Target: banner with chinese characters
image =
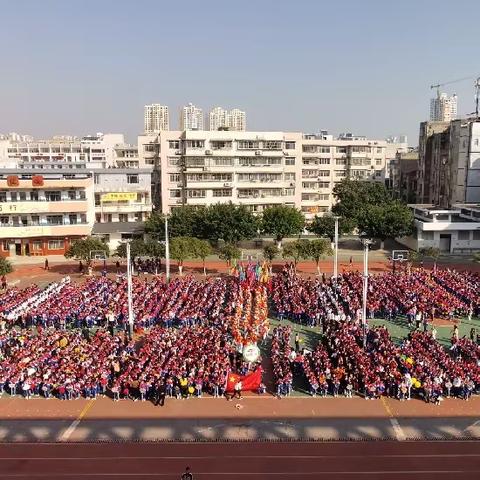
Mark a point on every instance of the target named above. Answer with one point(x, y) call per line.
point(118, 197)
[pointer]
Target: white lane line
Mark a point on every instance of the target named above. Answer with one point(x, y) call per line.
point(399, 433)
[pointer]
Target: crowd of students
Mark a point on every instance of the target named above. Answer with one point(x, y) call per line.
point(192, 334)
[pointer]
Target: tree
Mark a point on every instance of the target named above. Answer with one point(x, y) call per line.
point(81, 249)
point(325, 226)
point(297, 249)
point(389, 220)
point(282, 221)
point(270, 251)
point(317, 249)
point(476, 257)
point(229, 253)
point(433, 253)
point(181, 249)
point(201, 249)
point(5, 266)
point(186, 221)
point(353, 197)
point(228, 222)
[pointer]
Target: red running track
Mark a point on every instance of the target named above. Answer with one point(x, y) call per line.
point(242, 461)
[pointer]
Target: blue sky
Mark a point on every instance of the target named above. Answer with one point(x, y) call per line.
point(77, 67)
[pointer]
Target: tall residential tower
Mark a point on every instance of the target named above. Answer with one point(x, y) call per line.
point(191, 118)
point(155, 118)
point(443, 108)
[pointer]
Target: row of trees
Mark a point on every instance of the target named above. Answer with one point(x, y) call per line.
point(365, 207)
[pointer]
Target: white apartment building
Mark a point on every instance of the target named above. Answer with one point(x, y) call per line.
point(156, 118)
point(93, 151)
point(443, 108)
point(123, 202)
point(234, 120)
point(191, 118)
point(257, 169)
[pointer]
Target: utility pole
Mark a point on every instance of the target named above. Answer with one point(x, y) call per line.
point(335, 261)
point(366, 245)
point(129, 292)
point(167, 252)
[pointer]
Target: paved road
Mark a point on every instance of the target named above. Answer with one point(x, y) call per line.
point(235, 461)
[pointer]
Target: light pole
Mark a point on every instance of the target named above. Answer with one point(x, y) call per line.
point(335, 258)
point(129, 293)
point(167, 251)
point(366, 245)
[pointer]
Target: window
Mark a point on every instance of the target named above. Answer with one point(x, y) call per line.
point(172, 144)
point(173, 161)
point(324, 173)
point(72, 219)
point(54, 220)
point(132, 178)
point(378, 161)
point(289, 176)
point(425, 235)
point(107, 217)
point(96, 178)
point(37, 245)
point(222, 192)
point(476, 235)
point(341, 161)
point(248, 144)
point(360, 149)
point(340, 173)
point(464, 235)
point(175, 193)
point(174, 177)
point(53, 196)
point(223, 162)
point(3, 196)
point(97, 199)
point(194, 162)
point(341, 149)
point(13, 196)
point(72, 195)
point(23, 196)
point(195, 143)
point(289, 145)
point(196, 193)
point(379, 149)
point(98, 217)
point(138, 216)
point(24, 221)
point(290, 161)
point(123, 217)
point(34, 196)
point(35, 220)
point(56, 244)
point(4, 221)
point(272, 145)
point(5, 245)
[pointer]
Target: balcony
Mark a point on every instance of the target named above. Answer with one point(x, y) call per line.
point(42, 206)
point(32, 230)
point(123, 208)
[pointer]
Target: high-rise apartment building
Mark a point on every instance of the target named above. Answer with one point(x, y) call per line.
point(257, 169)
point(156, 118)
point(191, 118)
point(234, 120)
point(443, 108)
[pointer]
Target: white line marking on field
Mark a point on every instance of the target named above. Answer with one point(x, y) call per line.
point(68, 432)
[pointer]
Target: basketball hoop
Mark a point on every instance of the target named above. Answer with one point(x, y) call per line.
point(399, 256)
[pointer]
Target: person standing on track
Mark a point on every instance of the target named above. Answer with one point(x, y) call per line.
point(187, 475)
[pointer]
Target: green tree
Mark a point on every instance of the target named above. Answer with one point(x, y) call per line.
point(229, 253)
point(270, 251)
point(282, 221)
point(5, 266)
point(81, 249)
point(185, 221)
point(433, 253)
point(318, 249)
point(325, 226)
point(181, 249)
point(353, 197)
point(298, 249)
point(202, 249)
point(228, 222)
point(384, 221)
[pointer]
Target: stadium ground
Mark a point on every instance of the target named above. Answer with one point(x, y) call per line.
point(235, 461)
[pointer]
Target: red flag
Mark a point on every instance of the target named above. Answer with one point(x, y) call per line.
point(249, 382)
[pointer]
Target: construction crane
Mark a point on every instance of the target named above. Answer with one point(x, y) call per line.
point(438, 85)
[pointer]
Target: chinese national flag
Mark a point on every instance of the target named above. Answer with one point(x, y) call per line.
point(249, 382)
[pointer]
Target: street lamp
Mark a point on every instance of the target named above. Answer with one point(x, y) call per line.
point(167, 251)
point(129, 293)
point(335, 258)
point(366, 242)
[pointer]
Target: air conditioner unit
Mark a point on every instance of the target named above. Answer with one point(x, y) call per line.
point(178, 152)
point(227, 184)
point(258, 152)
point(208, 152)
point(286, 153)
point(292, 184)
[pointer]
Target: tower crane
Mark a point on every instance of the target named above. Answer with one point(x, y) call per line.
point(438, 85)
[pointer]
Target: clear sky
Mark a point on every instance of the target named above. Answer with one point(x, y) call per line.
point(365, 66)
